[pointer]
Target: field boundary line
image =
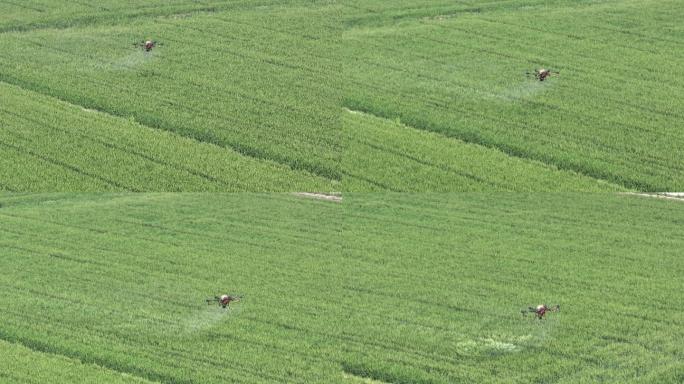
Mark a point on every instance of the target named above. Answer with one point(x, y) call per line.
point(43, 351)
point(491, 146)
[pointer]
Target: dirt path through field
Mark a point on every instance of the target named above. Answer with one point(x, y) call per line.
point(661, 195)
point(360, 379)
point(321, 196)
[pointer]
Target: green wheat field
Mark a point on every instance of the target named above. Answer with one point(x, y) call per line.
point(348, 95)
point(381, 288)
point(386, 184)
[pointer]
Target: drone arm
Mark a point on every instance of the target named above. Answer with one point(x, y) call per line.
point(528, 310)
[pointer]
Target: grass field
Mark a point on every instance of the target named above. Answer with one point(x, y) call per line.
point(342, 95)
point(382, 288)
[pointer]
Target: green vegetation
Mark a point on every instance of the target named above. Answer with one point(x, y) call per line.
point(397, 288)
point(387, 155)
point(50, 145)
point(358, 96)
point(272, 81)
point(459, 69)
point(36, 14)
point(250, 77)
point(23, 365)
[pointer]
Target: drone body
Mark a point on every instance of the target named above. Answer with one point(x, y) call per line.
point(541, 74)
point(147, 45)
point(541, 310)
point(224, 300)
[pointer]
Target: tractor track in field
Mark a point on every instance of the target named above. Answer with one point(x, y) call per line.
point(24, 6)
point(381, 186)
point(444, 168)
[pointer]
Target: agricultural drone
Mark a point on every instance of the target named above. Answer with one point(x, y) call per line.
point(224, 300)
point(540, 310)
point(147, 45)
point(541, 74)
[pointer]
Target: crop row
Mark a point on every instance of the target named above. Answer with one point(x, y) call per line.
point(51, 145)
